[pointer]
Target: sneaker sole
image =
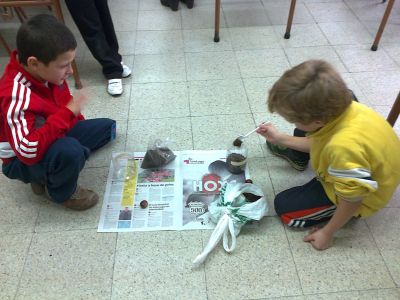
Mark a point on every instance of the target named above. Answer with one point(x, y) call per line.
point(115, 95)
point(291, 163)
point(81, 207)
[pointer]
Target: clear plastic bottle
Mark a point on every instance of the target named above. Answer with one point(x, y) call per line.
point(236, 159)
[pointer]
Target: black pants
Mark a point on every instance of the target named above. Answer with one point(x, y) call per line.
point(93, 19)
point(304, 205)
point(60, 167)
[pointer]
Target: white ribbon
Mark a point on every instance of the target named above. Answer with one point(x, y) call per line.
point(224, 228)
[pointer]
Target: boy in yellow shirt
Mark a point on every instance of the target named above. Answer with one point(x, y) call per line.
point(353, 150)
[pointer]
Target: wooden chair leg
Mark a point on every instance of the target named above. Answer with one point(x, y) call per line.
point(290, 19)
point(57, 10)
point(382, 25)
point(20, 14)
point(217, 19)
point(77, 78)
point(3, 41)
point(59, 15)
point(394, 112)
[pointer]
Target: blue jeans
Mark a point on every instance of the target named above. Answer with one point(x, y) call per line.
point(60, 167)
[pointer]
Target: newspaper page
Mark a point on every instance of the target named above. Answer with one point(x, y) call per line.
point(203, 174)
point(174, 197)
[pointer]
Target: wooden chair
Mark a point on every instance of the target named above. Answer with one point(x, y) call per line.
point(217, 19)
point(56, 8)
point(394, 112)
point(378, 36)
point(383, 24)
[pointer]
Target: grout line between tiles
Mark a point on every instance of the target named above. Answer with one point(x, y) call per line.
point(113, 265)
point(24, 265)
point(380, 253)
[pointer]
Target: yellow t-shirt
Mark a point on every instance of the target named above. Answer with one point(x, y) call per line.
point(357, 157)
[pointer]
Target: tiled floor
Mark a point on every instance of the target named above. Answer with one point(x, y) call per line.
point(202, 94)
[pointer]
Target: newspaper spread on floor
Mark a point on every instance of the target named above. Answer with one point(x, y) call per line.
point(174, 197)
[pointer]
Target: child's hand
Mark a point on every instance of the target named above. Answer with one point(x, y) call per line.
point(270, 133)
point(78, 102)
point(319, 239)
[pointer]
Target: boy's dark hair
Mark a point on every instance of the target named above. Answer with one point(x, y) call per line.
point(43, 37)
point(311, 91)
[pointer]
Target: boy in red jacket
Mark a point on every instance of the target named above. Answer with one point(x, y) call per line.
point(44, 139)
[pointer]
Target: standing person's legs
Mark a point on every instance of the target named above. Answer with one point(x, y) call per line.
point(305, 205)
point(173, 4)
point(108, 25)
point(109, 31)
point(88, 20)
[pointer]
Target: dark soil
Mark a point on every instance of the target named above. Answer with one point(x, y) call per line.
point(251, 197)
point(232, 160)
point(237, 143)
point(155, 158)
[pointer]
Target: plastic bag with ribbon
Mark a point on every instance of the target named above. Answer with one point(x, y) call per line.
point(231, 210)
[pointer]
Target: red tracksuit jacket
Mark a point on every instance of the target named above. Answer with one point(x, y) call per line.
point(32, 114)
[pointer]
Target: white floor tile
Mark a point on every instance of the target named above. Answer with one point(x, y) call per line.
point(354, 253)
point(169, 41)
point(262, 63)
point(165, 19)
point(13, 249)
point(159, 68)
point(211, 65)
point(159, 100)
point(165, 258)
point(362, 59)
point(218, 97)
point(84, 258)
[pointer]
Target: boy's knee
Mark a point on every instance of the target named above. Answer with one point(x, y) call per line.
point(71, 151)
point(110, 126)
point(279, 204)
point(282, 208)
point(107, 123)
point(113, 129)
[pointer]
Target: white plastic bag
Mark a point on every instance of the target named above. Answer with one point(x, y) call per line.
point(231, 211)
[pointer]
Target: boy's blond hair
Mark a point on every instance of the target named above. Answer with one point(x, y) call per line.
point(311, 91)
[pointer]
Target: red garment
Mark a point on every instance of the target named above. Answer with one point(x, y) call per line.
point(32, 114)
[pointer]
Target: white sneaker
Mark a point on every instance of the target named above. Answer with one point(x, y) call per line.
point(114, 87)
point(126, 71)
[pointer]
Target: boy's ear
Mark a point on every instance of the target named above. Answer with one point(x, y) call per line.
point(32, 62)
